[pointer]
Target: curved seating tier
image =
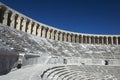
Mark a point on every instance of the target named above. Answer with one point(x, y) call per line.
point(82, 72)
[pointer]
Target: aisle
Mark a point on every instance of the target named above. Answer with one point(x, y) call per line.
point(26, 73)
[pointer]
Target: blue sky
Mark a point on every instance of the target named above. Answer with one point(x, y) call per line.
point(83, 16)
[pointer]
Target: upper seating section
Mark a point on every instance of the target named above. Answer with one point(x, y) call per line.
point(19, 21)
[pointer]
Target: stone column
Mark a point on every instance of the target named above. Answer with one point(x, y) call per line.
point(18, 22)
point(29, 27)
point(94, 40)
point(73, 38)
point(89, 39)
point(1, 14)
point(111, 40)
point(24, 22)
point(98, 40)
point(44, 32)
point(116, 40)
point(48, 33)
point(65, 37)
point(85, 39)
point(107, 40)
point(39, 31)
point(77, 39)
point(12, 24)
point(5, 20)
point(56, 35)
point(69, 37)
point(102, 40)
point(81, 38)
point(34, 31)
point(52, 35)
point(61, 36)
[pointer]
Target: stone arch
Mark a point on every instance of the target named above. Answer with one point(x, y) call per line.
point(109, 40)
point(100, 40)
point(119, 40)
point(6, 17)
point(64, 36)
point(52, 34)
point(43, 32)
point(56, 35)
point(2, 11)
point(29, 26)
point(9, 16)
point(48, 33)
point(16, 17)
point(88, 40)
point(80, 39)
point(84, 39)
point(61, 36)
point(92, 39)
point(69, 37)
point(32, 25)
point(18, 22)
point(96, 39)
point(105, 40)
point(114, 40)
point(75, 35)
point(12, 20)
point(34, 29)
point(39, 30)
point(23, 25)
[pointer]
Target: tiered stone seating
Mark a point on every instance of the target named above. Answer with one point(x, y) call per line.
point(82, 72)
point(48, 41)
point(49, 71)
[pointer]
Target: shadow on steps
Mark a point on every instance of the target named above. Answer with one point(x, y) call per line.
point(7, 60)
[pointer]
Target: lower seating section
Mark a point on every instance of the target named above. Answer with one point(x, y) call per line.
point(82, 72)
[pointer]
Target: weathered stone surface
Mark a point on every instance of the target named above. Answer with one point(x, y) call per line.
point(7, 60)
point(97, 57)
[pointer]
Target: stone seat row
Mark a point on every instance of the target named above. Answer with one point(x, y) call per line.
point(81, 72)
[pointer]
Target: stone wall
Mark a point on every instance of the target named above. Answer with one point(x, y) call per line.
point(8, 59)
point(23, 23)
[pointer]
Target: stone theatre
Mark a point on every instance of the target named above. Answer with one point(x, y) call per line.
point(43, 52)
